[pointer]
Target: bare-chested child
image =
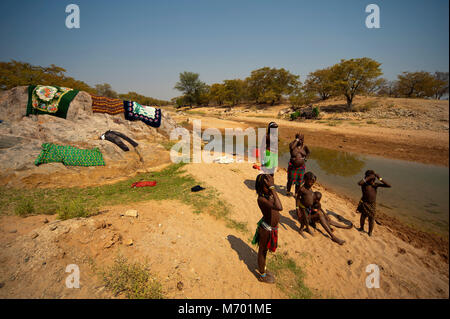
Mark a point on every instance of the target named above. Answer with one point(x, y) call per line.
point(305, 213)
point(367, 204)
point(296, 167)
point(266, 235)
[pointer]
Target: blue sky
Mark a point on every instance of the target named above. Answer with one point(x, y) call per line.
point(143, 45)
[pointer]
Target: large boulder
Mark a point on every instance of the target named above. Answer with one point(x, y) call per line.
point(21, 138)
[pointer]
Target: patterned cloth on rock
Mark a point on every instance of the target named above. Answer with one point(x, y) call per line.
point(147, 114)
point(53, 100)
point(296, 174)
point(69, 155)
point(101, 104)
point(368, 209)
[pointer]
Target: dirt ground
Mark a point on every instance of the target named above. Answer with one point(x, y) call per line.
point(210, 259)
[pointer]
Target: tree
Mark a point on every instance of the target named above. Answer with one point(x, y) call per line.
point(319, 82)
point(105, 89)
point(388, 88)
point(416, 84)
point(354, 76)
point(191, 86)
point(141, 99)
point(15, 73)
point(217, 93)
point(376, 85)
point(268, 85)
point(301, 96)
point(440, 87)
point(234, 91)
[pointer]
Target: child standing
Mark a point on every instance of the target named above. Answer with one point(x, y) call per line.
point(266, 235)
point(367, 204)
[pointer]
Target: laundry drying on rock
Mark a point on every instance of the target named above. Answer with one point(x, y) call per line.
point(147, 114)
point(53, 100)
point(101, 104)
point(115, 137)
point(69, 155)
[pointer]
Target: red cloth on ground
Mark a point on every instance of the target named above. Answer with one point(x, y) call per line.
point(144, 184)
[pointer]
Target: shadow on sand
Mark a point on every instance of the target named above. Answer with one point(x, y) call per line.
point(339, 218)
point(245, 253)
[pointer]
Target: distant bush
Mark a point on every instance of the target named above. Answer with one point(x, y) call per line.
point(295, 115)
point(365, 107)
point(141, 99)
point(316, 112)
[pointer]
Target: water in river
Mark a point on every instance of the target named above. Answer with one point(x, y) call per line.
point(419, 193)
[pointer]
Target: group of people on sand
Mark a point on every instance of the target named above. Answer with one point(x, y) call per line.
point(308, 202)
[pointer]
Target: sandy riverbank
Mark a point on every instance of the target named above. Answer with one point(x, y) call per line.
point(209, 258)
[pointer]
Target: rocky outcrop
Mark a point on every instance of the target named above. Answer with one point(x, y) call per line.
point(21, 138)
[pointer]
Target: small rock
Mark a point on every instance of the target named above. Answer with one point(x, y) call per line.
point(13, 231)
point(100, 225)
point(53, 227)
point(129, 242)
point(2, 284)
point(401, 251)
point(34, 235)
point(180, 285)
point(131, 213)
point(45, 221)
point(349, 262)
point(26, 259)
point(44, 263)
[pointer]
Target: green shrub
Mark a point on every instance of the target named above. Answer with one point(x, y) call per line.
point(72, 209)
point(295, 115)
point(316, 112)
point(24, 207)
point(133, 280)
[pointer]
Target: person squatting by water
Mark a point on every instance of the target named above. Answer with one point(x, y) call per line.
point(266, 235)
point(296, 168)
point(305, 212)
point(269, 162)
point(367, 204)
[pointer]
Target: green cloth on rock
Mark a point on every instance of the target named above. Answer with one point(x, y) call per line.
point(69, 155)
point(53, 100)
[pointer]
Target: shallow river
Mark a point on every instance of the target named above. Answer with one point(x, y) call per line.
point(419, 195)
